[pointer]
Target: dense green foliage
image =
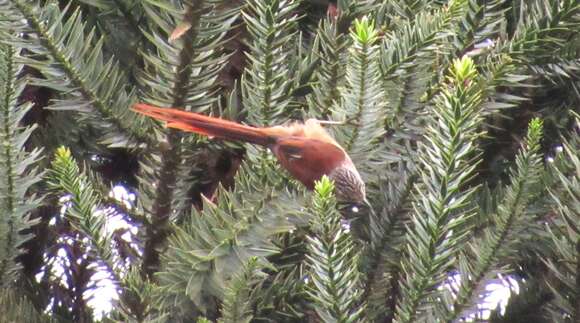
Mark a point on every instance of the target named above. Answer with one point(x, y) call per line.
point(461, 116)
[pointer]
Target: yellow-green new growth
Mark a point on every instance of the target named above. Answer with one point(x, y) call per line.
point(62, 152)
point(463, 69)
point(535, 130)
point(364, 31)
point(332, 261)
point(324, 188)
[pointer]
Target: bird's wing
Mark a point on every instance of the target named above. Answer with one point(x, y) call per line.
point(307, 159)
point(311, 129)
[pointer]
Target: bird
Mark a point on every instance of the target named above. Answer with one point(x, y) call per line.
point(305, 149)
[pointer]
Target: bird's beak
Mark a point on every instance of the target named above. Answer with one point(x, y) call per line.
point(371, 209)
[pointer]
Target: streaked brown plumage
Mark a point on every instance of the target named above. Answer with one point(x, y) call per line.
point(306, 150)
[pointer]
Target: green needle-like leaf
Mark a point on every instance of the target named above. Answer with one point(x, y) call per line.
point(18, 167)
point(333, 261)
point(441, 211)
point(510, 216)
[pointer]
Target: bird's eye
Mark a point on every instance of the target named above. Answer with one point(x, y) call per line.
point(351, 209)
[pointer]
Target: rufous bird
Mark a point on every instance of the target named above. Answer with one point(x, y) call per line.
point(305, 150)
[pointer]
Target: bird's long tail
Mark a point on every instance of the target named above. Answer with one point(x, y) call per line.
point(209, 126)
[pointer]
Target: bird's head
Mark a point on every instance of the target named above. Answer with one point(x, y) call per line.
point(349, 186)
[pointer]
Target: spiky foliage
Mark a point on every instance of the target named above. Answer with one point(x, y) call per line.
point(551, 22)
point(171, 68)
point(509, 219)
point(332, 261)
point(240, 225)
point(18, 309)
point(420, 37)
point(330, 46)
point(84, 212)
point(120, 23)
point(193, 251)
point(71, 61)
point(408, 8)
point(408, 53)
point(566, 234)
point(387, 238)
point(282, 297)
point(136, 302)
point(18, 171)
point(441, 211)
point(181, 73)
point(266, 87)
point(363, 101)
point(409, 48)
point(236, 307)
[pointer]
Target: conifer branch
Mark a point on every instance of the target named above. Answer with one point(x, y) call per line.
point(408, 54)
point(499, 71)
point(122, 26)
point(332, 261)
point(16, 308)
point(266, 85)
point(387, 235)
point(418, 38)
point(441, 212)
point(254, 252)
point(212, 247)
point(480, 23)
point(123, 8)
point(510, 215)
point(408, 9)
point(137, 299)
point(363, 102)
point(18, 171)
point(330, 47)
point(236, 305)
point(178, 74)
point(565, 233)
point(491, 20)
point(85, 211)
point(545, 29)
point(283, 295)
point(72, 62)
